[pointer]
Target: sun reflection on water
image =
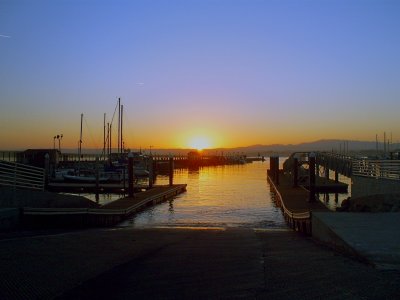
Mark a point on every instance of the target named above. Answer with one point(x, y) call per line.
point(221, 196)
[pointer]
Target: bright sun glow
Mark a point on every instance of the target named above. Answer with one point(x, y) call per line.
point(199, 143)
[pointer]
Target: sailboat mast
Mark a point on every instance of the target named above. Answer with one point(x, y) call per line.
point(104, 136)
point(119, 123)
point(108, 139)
point(122, 140)
point(80, 142)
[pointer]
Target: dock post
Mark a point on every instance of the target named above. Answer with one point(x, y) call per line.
point(97, 180)
point(171, 170)
point(326, 172)
point(151, 172)
point(277, 169)
point(271, 167)
point(130, 174)
point(46, 170)
point(336, 176)
point(295, 171)
point(311, 159)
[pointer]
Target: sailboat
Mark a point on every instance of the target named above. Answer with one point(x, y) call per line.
point(84, 176)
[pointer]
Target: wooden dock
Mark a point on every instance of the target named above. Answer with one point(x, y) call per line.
point(325, 185)
point(106, 215)
point(294, 202)
point(70, 187)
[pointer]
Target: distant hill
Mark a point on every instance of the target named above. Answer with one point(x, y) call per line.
point(321, 145)
point(254, 150)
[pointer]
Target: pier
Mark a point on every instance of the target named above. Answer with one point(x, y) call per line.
point(70, 187)
point(371, 238)
point(294, 202)
point(107, 215)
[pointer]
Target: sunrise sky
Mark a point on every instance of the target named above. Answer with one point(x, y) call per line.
point(213, 72)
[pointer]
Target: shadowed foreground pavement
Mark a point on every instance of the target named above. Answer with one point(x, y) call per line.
point(184, 263)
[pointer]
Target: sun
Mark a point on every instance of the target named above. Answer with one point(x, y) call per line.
point(199, 143)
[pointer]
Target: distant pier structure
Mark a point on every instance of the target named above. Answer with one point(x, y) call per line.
point(305, 174)
point(368, 176)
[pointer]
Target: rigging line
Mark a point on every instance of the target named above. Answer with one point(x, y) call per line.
point(90, 133)
point(112, 120)
point(128, 132)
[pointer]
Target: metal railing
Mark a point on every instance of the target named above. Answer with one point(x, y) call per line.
point(10, 156)
point(20, 176)
point(379, 169)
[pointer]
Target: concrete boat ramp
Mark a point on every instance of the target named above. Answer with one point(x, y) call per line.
point(373, 238)
point(205, 263)
point(370, 237)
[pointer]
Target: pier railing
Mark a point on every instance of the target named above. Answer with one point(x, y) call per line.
point(379, 169)
point(341, 163)
point(20, 176)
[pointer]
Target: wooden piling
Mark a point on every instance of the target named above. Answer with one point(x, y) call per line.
point(151, 172)
point(312, 177)
point(295, 171)
point(97, 180)
point(130, 174)
point(272, 167)
point(46, 170)
point(277, 170)
point(171, 171)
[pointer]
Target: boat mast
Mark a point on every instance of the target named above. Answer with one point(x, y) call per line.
point(119, 123)
point(108, 140)
point(104, 136)
point(122, 141)
point(80, 145)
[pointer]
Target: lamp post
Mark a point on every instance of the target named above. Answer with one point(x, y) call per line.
point(59, 138)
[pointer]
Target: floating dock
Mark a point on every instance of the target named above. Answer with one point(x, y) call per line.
point(294, 202)
point(325, 185)
point(70, 187)
point(106, 215)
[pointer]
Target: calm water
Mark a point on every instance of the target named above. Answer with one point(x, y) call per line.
point(228, 196)
point(332, 200)
point(223, 196)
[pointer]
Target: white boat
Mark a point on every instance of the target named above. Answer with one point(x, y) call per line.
point(85, 177)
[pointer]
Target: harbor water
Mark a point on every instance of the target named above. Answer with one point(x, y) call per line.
point(220, 196)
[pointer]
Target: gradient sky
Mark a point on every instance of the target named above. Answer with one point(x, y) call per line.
point(234, 73)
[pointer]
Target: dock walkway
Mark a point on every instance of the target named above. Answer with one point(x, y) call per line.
point(369, 237)
point(106, 215)
point(154, 195)
point(294, 203)
point(295, 199)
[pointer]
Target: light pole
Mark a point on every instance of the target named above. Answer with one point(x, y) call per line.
point(59, 138)
point(59, 142)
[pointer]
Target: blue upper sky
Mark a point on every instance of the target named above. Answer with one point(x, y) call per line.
point(235, 72)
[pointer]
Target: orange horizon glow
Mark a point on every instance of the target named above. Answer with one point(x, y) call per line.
point(182, 135)
point(200, 143)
